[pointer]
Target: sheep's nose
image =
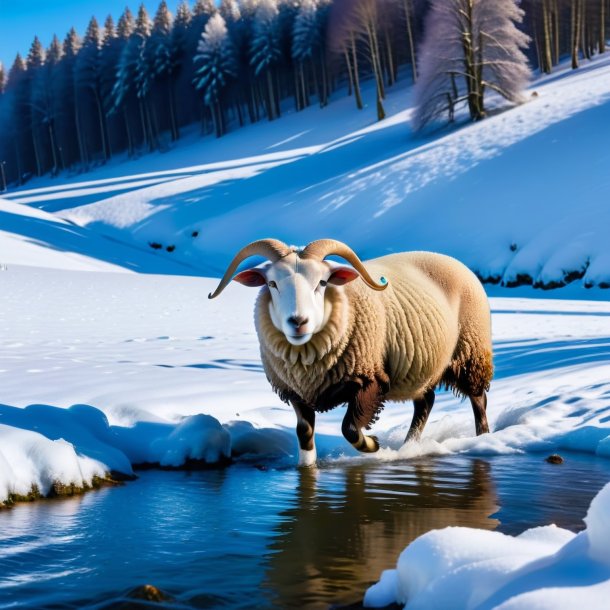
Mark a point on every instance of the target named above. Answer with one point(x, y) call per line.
point(298, 321)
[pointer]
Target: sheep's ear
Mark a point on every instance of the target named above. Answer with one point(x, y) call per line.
point(251, 278)
point(343, 275)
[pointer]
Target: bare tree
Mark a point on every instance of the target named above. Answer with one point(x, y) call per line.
point(470, 47)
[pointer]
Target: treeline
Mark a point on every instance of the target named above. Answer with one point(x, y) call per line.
point(134, 85)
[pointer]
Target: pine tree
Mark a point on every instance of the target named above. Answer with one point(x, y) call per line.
point(474, 47)
point(15, 101)
point(89, 90)
point(163, 52)
point(229, 9)
point(34, 62)
point(265, 50)
point(216, 56)
point(2, 79)
point(125, 25)
point(306, 46)
point(117, 98)
point(47, 108)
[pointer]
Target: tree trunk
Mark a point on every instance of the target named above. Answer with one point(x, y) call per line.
point(100, 116)
point(36, 153)
point(471, 70)
point(81, 146)
point(357, 93)
point(128, 131)
point(53, 149)
point(601, 44)
point(556, 31)
point(536, 39)
point(391, 72)
point(407, 4)
point(270, 96)
point(324, 100)
point(172, 110)
point(546, 28)
point(575, 32)
point(584, 36)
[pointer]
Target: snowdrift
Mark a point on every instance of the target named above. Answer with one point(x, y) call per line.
point(546, 568)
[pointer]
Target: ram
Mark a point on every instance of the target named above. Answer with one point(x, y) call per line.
point(388, 329)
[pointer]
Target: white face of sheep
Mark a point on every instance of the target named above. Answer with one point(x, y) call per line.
point(297, 288)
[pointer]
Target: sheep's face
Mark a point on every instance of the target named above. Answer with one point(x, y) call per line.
point(297, 288)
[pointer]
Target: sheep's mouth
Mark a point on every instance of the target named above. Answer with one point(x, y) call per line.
point(299, 339)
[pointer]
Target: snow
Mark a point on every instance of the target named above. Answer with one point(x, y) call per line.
point(42, 444)
point(542, 568)
point(29, 459)
point(133, 364)
point(314, 169)
point(152, 357)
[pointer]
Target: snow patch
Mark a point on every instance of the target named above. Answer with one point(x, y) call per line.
point(543, 568)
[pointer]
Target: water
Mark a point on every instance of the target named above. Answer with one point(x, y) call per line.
point(262, 537)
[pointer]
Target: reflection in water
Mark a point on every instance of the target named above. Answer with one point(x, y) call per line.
point(271, 538)
point(349, 523)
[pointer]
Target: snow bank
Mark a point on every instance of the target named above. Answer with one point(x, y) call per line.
point(41, 446)
point(543, 568)
point(31, 462)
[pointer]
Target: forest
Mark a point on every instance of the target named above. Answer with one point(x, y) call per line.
point(133, 86)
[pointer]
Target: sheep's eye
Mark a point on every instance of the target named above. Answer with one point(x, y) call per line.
point(272, 284)
point(323, 283)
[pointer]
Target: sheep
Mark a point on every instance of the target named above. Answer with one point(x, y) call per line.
point(331, 334)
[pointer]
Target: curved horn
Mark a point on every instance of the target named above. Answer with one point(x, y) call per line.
point(322, 248)
point(272, 249)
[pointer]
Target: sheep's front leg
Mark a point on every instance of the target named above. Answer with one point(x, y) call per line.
point(306, 421)
point(362, 410)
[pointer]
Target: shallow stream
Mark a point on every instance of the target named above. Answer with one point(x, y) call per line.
point(259, 536)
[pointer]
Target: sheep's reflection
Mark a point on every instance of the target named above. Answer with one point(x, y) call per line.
point(349, 523)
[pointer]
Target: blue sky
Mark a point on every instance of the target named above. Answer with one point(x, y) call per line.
point(21, 20)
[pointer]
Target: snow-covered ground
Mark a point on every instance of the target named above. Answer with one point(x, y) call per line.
point(111, 354)
point(520, 196)
point(151, 351)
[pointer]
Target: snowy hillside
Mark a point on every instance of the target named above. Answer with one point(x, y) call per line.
point(487, 193)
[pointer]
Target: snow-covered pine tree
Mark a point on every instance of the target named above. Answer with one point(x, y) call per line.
point(125, 25)
point(191, 107)
point(229, 9)
point(46, 108)
point(265, 51)
point(133, 75)
point(306, 48)
point(123, 105)
point(164, 61)
point(88, 89)
point(179, 62)
point(16, 130)
point(34, 62)
point(216, 60)
point(470, 47)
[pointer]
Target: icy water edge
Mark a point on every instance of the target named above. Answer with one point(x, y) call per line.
point(257, 536)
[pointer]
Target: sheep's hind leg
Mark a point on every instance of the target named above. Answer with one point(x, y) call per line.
point(361, 411)
point(479, 408)
point(306, 421)
point(421, 411)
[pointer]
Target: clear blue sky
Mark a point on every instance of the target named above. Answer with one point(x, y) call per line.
point(21, 20)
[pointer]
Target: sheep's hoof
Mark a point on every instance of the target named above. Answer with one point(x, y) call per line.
point(369, 444)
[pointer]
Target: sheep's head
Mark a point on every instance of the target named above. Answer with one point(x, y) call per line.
point(297, 279)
